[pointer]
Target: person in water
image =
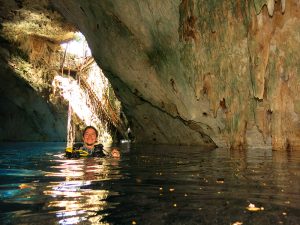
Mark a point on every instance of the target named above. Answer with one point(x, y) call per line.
point(89, 148)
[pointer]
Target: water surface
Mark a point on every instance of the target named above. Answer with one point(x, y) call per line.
point(148, 185)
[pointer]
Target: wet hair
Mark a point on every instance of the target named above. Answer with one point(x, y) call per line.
point(90, 127)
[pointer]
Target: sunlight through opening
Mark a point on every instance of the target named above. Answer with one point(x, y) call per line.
point(87, 91)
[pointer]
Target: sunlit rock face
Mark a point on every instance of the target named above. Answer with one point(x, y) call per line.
point(26, 112)
point(44, 84)
point(216, 73)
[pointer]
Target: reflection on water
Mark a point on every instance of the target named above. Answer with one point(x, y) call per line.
point(149, 185)
point(76, 197)
point(59, 190)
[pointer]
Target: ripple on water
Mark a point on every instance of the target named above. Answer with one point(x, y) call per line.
point(149, 185)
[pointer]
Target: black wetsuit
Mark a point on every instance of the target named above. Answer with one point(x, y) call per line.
point(79, 150)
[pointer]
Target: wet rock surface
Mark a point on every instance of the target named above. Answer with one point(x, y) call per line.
point(199, 72)
point(214, 73)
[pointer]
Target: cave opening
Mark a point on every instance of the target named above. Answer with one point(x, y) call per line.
point(52, 87)
point(90, 97)
point(190, 75)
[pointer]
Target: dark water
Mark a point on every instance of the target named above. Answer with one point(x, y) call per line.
point(148, 185)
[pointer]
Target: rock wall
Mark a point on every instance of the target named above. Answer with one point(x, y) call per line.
point(35, 77)
point(27, 65)
point(217, 72)
point(24, 114)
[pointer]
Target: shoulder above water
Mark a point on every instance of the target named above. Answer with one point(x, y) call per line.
point(79, 151)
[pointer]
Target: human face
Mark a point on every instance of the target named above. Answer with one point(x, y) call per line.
point(90, 137)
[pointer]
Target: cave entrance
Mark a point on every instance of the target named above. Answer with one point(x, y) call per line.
point(91, 99)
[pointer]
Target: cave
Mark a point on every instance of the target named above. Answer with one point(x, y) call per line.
point(197, 73)
point(149, 112)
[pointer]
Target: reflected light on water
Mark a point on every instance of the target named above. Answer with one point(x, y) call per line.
point(150, 185)
point(74, 197)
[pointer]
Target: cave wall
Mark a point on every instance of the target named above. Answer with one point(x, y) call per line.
point(217, 72)
point(24, 114)
point(27, 66)
point(32, 63)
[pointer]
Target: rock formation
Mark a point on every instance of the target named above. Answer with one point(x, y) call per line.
point(26, 112)
point(34, 72)
point(222, 73)
point(194, 72)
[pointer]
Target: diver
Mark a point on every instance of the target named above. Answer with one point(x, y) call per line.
point(89, 148)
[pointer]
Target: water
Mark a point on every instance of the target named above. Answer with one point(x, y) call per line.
point(148, 185)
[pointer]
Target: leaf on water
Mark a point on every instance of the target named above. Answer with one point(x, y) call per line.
point(253, 208)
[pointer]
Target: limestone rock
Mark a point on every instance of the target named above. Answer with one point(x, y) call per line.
point(194, 72)
point(24, 114)
point(200, 72)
